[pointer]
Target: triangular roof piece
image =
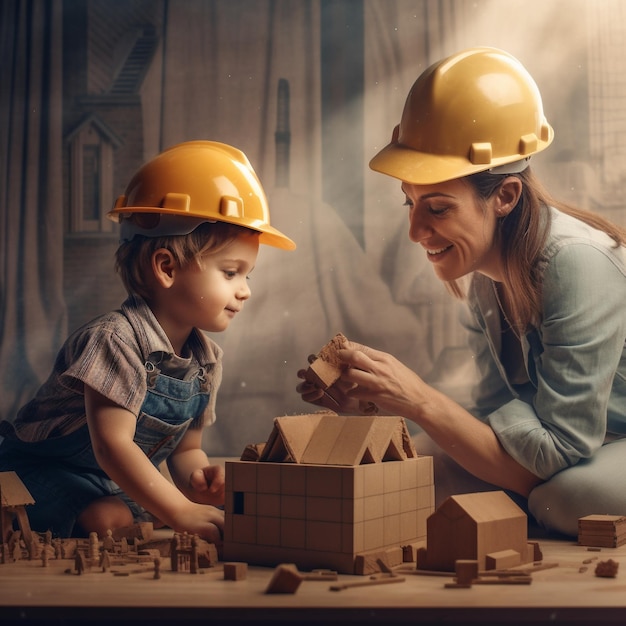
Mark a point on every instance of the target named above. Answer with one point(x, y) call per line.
point(484, 506)
point(326, 438)
point(382, 433)
point(323, 440)
point(352, 442)
point(289, 437)
point(401, 445)
point(274, 450)
point(13, 492)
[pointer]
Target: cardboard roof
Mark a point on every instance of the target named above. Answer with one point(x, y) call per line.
point(13, 491)
point(330, 439)
point(480, 507)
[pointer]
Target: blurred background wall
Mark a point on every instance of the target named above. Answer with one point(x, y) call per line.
point(309, 90)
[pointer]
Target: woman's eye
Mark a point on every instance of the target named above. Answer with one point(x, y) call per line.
point(437, 210)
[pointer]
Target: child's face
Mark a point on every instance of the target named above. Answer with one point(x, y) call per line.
point(209, 295)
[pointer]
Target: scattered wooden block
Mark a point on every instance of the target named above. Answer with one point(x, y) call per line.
point(285, 579)
point(235, 571)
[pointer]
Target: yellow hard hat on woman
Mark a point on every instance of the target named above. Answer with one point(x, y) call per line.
point(476, 110)
point(192, 183)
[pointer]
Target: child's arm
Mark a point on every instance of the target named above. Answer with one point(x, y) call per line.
point(112, 429)
point(191, 472)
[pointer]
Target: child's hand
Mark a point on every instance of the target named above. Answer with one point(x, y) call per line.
point(208, 485)
point(199, 519)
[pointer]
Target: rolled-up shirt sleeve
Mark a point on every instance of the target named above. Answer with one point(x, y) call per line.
point(574, 354)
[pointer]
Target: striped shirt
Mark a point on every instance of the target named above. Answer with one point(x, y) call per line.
point(109, 354)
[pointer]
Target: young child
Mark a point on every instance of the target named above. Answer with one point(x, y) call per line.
point(135, 387)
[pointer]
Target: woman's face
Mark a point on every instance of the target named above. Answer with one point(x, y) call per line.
point(456, 230)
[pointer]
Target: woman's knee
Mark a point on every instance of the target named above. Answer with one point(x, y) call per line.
point(104, 514)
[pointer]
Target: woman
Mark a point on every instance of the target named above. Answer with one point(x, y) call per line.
point(546, 295)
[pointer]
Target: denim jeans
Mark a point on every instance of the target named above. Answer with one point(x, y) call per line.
point(62, 474)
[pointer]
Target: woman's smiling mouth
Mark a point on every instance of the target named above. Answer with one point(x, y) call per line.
point(437, 251)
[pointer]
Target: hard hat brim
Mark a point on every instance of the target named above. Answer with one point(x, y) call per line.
point(420, 168)
point(269, 235)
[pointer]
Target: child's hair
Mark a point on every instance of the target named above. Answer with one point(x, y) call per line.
point(133, 258)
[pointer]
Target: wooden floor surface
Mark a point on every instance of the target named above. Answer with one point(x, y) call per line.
point(568, 593)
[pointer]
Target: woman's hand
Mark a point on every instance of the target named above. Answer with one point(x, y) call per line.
point(372, 382)
point(379, 378)
point(334, 397)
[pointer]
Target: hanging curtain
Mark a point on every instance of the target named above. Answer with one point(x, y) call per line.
point(32, 311)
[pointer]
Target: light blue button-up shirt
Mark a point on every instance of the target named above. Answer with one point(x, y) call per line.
point(575, 359)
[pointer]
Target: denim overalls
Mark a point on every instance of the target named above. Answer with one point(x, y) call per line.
point(62, 473)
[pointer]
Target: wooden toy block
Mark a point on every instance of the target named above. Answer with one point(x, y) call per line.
point(243, 529)
point(373, 534)
point(235, 571)
point(293, 534)
point(375, 483)
point(324, 481)
point(373, 507)
point(292, 507)
point(537, 555)
point(268, 479)
point(466, 571)
point(391, 529)
point(374, 561)
point(327, 513)
point(473, 526)
point(324, 509)
point(322, 536)
point(268, 531)
point(268, 505)
point(603, 531)
point(243, 477)
point(391, 503)
point(292, 479)
point(391, 477)
point(502, 559)
point(285, 579)
point(327, 367)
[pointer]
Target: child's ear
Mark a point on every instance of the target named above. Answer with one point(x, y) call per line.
point(164, 267)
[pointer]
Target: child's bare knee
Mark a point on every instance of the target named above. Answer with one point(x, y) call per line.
point(105, 514)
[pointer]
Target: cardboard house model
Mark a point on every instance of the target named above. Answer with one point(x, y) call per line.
point(325, 490)
point(13, 500)
point(487, 527)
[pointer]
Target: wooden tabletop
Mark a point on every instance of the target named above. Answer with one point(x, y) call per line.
point(568, 593)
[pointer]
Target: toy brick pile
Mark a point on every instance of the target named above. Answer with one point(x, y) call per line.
point(602, 531)
point(329, 491)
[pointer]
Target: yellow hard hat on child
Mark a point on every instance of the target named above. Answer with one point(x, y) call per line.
point(196, 182)
point(476, 110)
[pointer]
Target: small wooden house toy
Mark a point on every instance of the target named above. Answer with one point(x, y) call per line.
point(14, 497)
point(602, 531)
point(325, 490)
point(487, 527)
